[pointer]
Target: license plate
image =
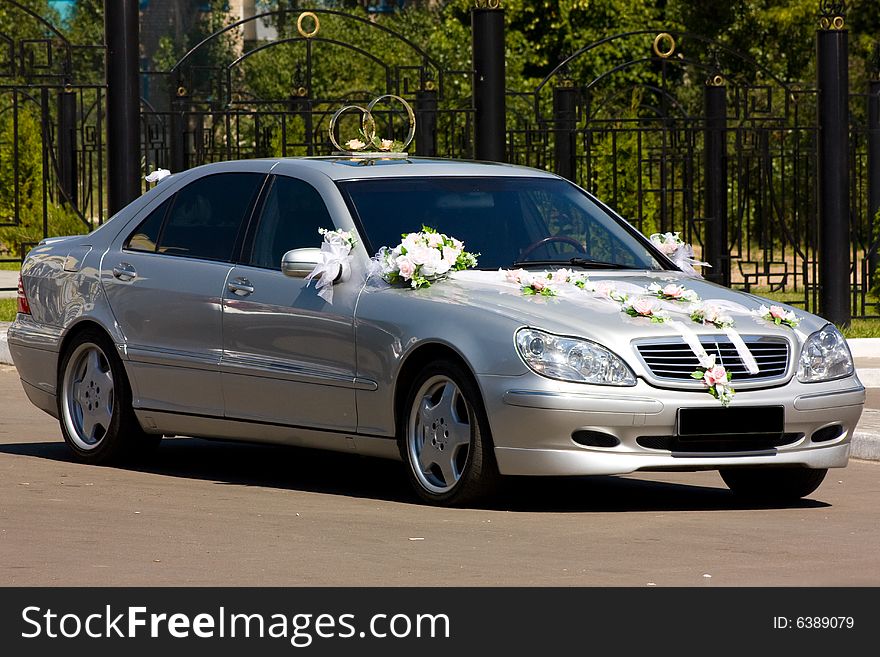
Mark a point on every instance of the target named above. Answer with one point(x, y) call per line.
point(737, 421)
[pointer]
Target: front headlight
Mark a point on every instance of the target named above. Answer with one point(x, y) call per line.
point(572, 359)
point(825, 356)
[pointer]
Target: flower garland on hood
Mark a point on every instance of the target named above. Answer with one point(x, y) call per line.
point(646, 303)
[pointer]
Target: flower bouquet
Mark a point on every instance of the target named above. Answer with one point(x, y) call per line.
point(644, 307)
point(716, 378)
point(422, 258)
point(777, 315)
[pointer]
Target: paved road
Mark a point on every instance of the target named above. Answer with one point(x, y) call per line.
point(224, 514)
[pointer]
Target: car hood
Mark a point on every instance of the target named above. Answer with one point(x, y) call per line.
point(580, 313)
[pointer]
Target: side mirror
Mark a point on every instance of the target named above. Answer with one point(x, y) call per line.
point(299, 263)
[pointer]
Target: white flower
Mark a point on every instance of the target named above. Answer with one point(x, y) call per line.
point(435, 240)
point(451, 253)
point(354, 144)
point(420, 255)
point(430, 262)
point(386, 145)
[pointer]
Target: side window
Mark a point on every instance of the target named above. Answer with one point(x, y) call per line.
point(146, 235)
point(292, 214)
point(207, 214)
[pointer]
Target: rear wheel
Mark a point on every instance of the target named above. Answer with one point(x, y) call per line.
point(773, 484)
point(445, 439)
point(94, 402)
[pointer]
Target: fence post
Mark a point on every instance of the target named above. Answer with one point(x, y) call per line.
point(123, 103)
point(834, 220)
point(179, 122)
point(67, 146)
point(874, 172)
point(564, 123)
point(426, 120)
point(487, 26)
point(715, 181)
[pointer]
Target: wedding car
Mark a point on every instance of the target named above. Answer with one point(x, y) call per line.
point(472, 320)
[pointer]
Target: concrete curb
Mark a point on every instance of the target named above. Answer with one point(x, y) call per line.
point(865, 446)
point(5, 356)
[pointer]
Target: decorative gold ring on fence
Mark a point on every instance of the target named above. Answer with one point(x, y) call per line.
point(368, 125)
point(716, 81)
point(837, 23)
point(299, 24)
point(181, 90)
point(667, 40)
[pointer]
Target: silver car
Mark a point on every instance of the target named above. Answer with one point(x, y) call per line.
point(189, 313)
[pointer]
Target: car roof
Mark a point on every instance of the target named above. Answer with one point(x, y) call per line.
point(350, 168)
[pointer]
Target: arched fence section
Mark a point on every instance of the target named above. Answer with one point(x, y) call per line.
point(51, 132)
point(276, 98)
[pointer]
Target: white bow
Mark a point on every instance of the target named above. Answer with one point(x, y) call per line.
point(157, 175)
point(334, 259)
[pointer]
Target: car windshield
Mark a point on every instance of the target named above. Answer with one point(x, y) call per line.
point(510, 222)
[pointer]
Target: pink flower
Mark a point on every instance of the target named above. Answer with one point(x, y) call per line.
point(561, 276)
point(673, 291)
point(777, 312)
point(715, 375)
point(514, 275)
point(644, 306)
point(538, 284)
point(406, 266)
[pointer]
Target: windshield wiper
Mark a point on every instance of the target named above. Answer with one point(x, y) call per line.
point(586, 263)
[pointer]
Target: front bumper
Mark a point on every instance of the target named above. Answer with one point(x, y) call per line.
point(533, 419)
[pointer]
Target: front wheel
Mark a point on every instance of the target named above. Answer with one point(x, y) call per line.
point(94, 402)
point(773, 484)
point(445, 439)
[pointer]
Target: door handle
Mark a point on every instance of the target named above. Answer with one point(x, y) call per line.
point(124, 272)
point(240, 286)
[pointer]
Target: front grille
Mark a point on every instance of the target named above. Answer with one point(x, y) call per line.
point(723, 443)
point(674, 360)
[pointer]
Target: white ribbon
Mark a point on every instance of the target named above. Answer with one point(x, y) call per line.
point(743, 351)
point(334, 259)
point(693, 341)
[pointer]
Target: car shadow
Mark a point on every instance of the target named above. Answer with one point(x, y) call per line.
point(349, 475)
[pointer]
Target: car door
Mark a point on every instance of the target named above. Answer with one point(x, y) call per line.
point(164, 281)
point(288, 356)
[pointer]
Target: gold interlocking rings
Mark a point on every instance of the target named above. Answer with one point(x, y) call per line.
point(368, 126)
point(666, 39)
point(299, 24)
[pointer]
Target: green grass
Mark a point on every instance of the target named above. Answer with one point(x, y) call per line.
point(10, 266)
point(8, 308)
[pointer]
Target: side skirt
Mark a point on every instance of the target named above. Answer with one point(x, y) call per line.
point(200, 426)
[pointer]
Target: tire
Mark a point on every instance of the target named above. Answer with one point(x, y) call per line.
point(444, 437)
point(94, 402)
point(773, 484)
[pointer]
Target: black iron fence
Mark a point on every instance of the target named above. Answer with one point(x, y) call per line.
point(677, 132)
point(51, 133)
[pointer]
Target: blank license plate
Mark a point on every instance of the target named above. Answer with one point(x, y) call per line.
point(742, 420)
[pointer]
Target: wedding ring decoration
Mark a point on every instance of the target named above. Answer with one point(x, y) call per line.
point(664, 45)
point(369, 145)
point(299, 24)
